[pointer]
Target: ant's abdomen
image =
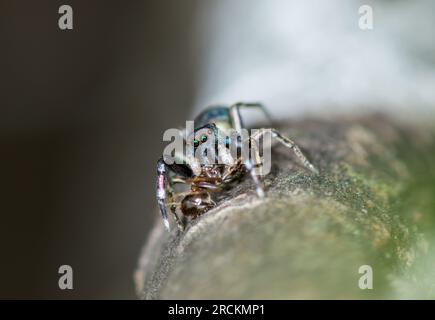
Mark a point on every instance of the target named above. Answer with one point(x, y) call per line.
point(196, 203)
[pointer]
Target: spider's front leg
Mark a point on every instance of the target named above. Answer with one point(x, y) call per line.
point(164, 190)
point(249, 164)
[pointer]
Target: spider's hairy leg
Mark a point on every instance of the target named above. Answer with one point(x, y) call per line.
point(236, 118)
point(249, 164)
point(293, 146)
point(197, 203)
point(164, 189)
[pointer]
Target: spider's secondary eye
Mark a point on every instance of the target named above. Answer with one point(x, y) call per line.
point(203, 138)
point(195, 143)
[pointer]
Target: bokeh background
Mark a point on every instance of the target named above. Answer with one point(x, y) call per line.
point(83, 111)
point(82, 118)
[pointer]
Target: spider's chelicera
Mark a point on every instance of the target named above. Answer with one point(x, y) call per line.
point(210, 157)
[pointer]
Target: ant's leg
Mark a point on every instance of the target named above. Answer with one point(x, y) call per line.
point(236, 118)
point(291, 145)
point(175, 180)
point(164, 185)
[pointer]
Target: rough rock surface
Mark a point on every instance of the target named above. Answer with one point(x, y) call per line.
point(372, 204)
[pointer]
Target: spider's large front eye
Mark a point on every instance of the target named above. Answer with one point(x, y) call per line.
point(203, 138)
point(195, 143)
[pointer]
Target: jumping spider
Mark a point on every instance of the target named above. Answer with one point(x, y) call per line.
point(210, 177)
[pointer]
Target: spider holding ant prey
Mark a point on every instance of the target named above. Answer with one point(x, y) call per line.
point(205, 176)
